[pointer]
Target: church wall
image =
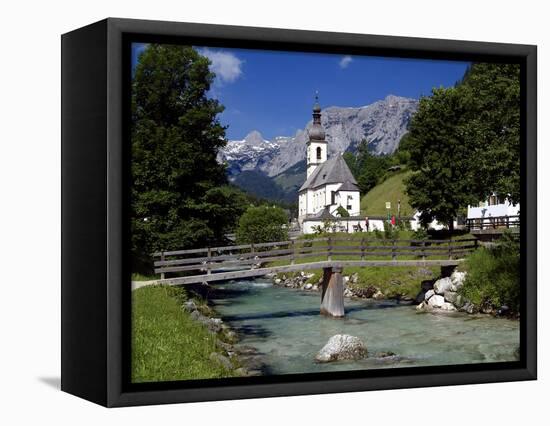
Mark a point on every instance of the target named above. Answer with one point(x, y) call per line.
point(354, 201)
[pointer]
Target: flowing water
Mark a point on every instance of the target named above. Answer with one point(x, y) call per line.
point(284, 327)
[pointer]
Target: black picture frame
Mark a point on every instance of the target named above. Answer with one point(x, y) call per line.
point(95, 277)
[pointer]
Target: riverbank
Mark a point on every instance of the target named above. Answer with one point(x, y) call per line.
point(423, 287)
point(178, 338)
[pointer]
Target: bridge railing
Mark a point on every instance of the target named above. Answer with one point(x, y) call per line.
point(205, 261)
point(492, 222)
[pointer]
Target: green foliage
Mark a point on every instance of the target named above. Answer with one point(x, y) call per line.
point(262, 224)
point(420, 234)
point(368, 169)
point(493, 277)
point(441, 157)
point(179, 194)
point(463, 143)
point(166, 343)
point(390, 232)
point(492, 93)
point(342, 212)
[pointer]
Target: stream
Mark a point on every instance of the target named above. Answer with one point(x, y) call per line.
point(285, 328)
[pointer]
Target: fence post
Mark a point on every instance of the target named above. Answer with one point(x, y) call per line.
point(393, 253)
point(329, 249)
point(252, 257)
point(423, 251)
point(450, 249)
point(292, 255)
point(209, 262)
point(162, 260)
point(363, 248)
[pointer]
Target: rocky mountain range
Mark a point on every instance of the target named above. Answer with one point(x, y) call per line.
point(282, 159)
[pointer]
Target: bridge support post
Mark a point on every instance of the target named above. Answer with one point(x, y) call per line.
point(332, 294)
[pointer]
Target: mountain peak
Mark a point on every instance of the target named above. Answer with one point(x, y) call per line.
point(254, 138)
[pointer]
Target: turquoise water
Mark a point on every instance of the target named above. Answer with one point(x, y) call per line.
point(284, 327)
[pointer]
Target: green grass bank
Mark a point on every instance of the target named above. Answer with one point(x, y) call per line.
point(167, 344)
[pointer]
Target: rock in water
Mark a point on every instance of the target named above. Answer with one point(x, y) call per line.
point(457, 280)
point(436, 301)
point(342, 347)
point(429, 294)
point(442, 285)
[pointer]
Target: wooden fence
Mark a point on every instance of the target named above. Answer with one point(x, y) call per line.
point(490, 222)
point(204, 261)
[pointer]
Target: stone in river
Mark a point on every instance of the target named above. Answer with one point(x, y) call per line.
point(342, 347)
point(222, 360)
point(442, 285)
point(429, 294)
point(436, 301)
point(450, 296)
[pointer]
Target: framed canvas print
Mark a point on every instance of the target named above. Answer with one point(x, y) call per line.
point(253, 212)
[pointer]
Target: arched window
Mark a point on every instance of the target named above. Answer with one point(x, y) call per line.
point(318, 153)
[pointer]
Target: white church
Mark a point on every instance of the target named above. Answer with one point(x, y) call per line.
point(329, 186)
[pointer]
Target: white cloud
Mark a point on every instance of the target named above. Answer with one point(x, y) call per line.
point(345, 61)
point(226, 65)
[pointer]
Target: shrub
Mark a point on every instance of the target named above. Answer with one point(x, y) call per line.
point(420, 234)
point(390, 232)
point(342, 212)
point(493, 275)
point(262, 224)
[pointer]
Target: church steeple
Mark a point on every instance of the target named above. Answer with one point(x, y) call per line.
point(316, 146)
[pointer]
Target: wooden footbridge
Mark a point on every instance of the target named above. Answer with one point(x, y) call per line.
point(210, 264)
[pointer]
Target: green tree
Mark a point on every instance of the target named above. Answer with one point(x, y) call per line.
point(440, 155)
point(464, 143)
point(367, 168)
point(262, 224)
point(492, 93)
point(178, 197)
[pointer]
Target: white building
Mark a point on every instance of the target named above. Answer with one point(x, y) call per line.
point(329, 186)
point(494, 206)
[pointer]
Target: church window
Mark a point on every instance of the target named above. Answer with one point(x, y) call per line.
point(318, 153)
point(332, 197)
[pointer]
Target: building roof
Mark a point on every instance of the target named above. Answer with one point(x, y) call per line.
point(322, 215)
point(348, 186)
point(334, 170)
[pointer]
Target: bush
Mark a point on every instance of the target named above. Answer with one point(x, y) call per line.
point(493, 275)
point(420, 234)
point(262, 224)
point(342, 212)
point(390, 232)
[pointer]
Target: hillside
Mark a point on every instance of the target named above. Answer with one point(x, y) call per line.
point(392, 189)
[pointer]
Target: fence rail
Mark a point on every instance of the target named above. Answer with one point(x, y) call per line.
point(492, 222)
point(203, 261)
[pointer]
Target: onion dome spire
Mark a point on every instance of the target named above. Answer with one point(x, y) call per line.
point(317, 132)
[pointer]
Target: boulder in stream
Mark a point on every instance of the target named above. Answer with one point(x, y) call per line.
point(342, 347)
point(442, 285)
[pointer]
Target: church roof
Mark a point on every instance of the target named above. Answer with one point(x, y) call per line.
point(348, 186)
point(334, 170)
point(323, 214)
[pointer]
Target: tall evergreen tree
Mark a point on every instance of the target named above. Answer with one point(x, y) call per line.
point(176, 198)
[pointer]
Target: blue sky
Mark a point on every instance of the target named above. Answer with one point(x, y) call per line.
point(273, 92)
